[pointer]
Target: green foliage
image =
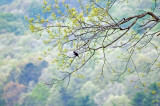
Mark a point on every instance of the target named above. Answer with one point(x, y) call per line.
point(110, 90)
point(55, 98)
point(37, 97)
point(117, 101)
point(2, 100)
point(71, 98)
point(138, 99)
point(149, 98)
point(11, 23)
point(81, 101)
point(40, 93)
point(8, 17)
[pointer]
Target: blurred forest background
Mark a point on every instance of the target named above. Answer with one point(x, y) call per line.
point(22, 74)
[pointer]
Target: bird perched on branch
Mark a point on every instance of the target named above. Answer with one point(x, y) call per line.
point(75, 53)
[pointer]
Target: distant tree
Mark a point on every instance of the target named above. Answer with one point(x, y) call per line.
point(2, 100)
point(65, 96)
point(81, 101)
point(8, 21)
point(90, 33)
point(12, 92)
point(38, 96)
point(117, 101)
point(110, 91)
point(70, 99)
point(150, 98)
point(31, 73)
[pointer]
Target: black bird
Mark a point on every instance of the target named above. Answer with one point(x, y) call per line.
point(75, 53)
